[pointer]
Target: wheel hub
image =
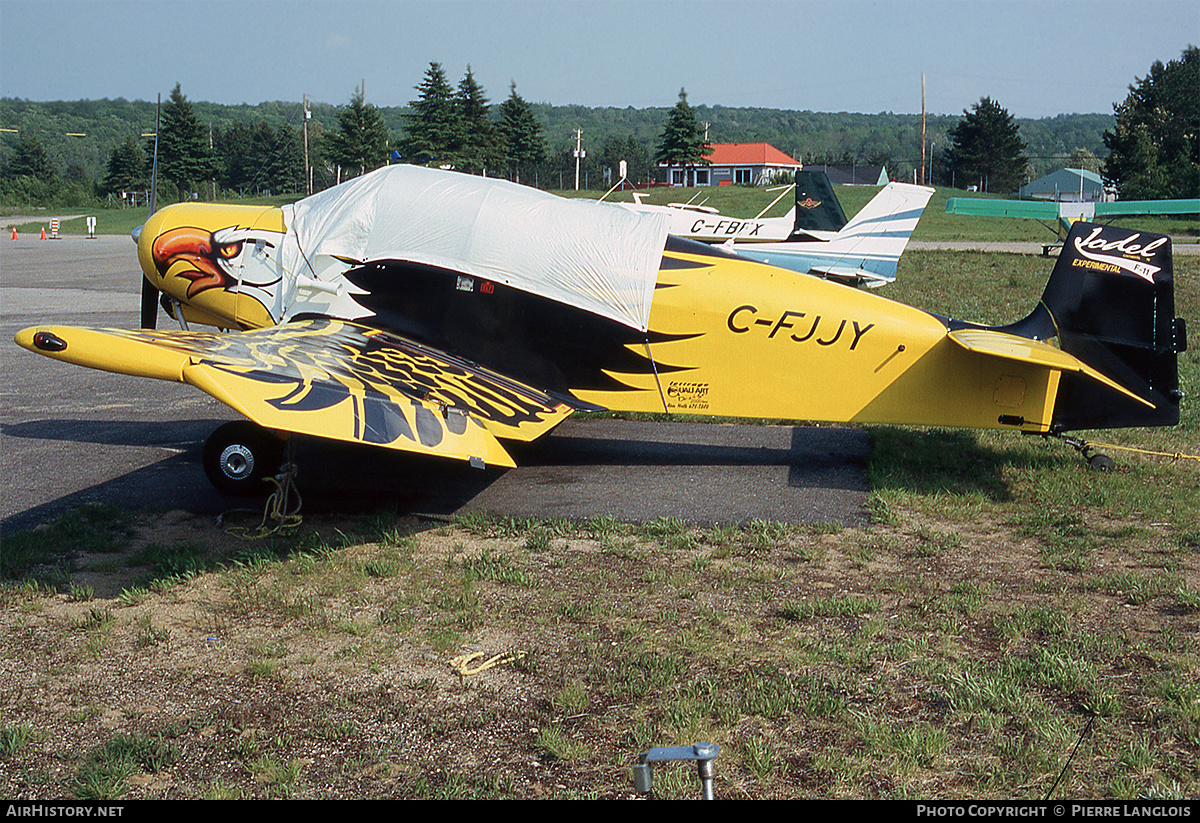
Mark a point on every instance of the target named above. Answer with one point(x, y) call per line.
point(236, 462)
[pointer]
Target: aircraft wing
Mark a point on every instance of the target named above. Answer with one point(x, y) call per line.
point(983, 207)
point(1121, 208)
point(330, 379)
point(1069, 210)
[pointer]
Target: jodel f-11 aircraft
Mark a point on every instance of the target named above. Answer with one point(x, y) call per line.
point(814, 237)
point(444, 314)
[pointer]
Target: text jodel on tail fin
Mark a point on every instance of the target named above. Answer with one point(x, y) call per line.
point(1110, 302)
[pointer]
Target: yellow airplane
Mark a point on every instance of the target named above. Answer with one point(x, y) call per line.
point(445, 314)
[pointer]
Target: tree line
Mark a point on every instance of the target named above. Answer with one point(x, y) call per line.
point(1153, 152)
point(1147, 148)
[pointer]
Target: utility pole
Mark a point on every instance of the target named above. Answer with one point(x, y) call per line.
point(922, 128)
point(579, 155)
point(307, 173)
point(210, 151)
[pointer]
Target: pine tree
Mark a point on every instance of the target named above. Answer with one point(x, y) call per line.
point(524, 145)
point(233, 156)
point(361, 142)
point(30, 160)
point(184, 157)
point(682, 142)
point(482, 146)
point(126, 168)
point(1154, 151)
point(986, 148)
point(434, 132)
point(286, 165)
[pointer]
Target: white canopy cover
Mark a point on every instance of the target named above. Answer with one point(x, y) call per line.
point(594, 256)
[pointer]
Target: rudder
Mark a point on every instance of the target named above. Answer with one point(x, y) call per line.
point(817, 207)
point(1110, 302)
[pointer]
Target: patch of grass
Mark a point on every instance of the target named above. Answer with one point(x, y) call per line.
point(668, 530)
point(47, 552)
point(1137, 588)
point(497, 568)
point(278, 776)
point(15, 738)
point(259, 669)
point(555, 744)
point(762, 758)
point(181, 559)
point(105, 770)
point(905, 745)
point(571, 698)
point(148, 634)
point(537, 540)
point(1034, 622)
point(844, 606)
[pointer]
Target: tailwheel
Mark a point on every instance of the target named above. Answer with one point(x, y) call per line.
point(1101, 462)
point(239, 456)
point(1095, 460)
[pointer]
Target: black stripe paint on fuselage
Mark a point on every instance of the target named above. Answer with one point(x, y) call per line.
point(538, 341)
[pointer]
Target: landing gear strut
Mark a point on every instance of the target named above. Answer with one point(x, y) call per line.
point(239, 456)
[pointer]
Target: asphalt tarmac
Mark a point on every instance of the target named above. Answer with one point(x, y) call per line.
point(70, 435)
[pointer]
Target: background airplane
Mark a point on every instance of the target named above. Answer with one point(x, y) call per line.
point(814, 237)
point(863, 252)
point(1059, 216)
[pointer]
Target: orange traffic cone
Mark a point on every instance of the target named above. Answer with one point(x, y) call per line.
point(14, 232)
point(43, 232)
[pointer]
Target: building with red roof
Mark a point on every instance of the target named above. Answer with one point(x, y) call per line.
point(736, 163)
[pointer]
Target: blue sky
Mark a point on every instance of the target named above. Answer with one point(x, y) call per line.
point(1037, 59)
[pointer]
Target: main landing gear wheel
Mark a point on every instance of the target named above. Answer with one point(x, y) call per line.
point(239, 456)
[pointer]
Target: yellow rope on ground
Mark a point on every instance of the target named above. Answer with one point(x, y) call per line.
point(462, 663)
point(279, 511)
point(1173, 455)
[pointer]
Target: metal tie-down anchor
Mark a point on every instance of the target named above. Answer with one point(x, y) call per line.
point(703, 753)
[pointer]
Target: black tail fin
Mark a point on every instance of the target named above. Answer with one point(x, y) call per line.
point(817, 207)
point(1111, 303)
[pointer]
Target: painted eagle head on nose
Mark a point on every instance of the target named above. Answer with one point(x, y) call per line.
point(207, 256)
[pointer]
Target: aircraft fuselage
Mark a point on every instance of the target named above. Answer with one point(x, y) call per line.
point(727, 336)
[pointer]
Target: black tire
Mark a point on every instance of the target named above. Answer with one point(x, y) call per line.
point(239, 455)
point(1101, 463)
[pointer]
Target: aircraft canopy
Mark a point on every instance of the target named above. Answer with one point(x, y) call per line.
point(590, 255)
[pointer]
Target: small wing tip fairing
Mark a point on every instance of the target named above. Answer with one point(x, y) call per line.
point(1109, 306)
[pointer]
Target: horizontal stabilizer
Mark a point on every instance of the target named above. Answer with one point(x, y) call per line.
point(854, 277)
point(1024, 350)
